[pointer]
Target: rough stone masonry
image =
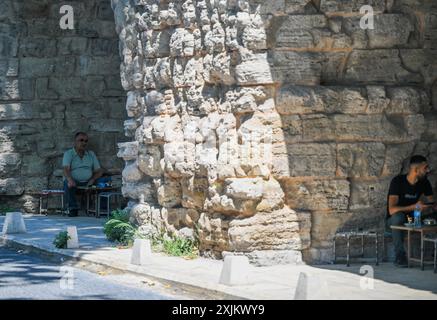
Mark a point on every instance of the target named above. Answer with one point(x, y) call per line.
point(264, 126)
point(260, 127)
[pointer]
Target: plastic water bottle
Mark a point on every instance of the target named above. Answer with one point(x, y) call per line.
point(417, 217)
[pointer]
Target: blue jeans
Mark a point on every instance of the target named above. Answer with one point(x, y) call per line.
point(398, 219)
point(70, 195)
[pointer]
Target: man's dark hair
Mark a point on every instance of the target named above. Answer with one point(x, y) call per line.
point(416, 159)
point(80, 133)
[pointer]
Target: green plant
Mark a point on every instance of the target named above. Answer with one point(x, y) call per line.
point(121, 215)
point(61, 240)
point(176, 246)
point(119, 231)
point(4, 210)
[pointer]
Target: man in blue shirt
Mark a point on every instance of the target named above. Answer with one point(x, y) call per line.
point(81, 168)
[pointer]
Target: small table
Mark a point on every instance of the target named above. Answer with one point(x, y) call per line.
point(93, 192)
point(423, 230)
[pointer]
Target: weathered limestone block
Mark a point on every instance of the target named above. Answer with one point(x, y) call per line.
point(378, 100)
point(36, 184)
point(279, 230)
point(272, 7)
point(430, 124)
point(137, 190)
point(214, 40)
point(156, 44)
point(254, 34)
point(193, 72)
point(9, 164)
point(312, 159)
point(16, 111)
point(245, 188)
point(179, 159)
point(213, 234)
point(317, 127)
point(128, 150)
point(369, 193)
point(390, 30)
point(253, 69)
point(161, 103)
point(153, 129)
point(169, 192)
point(150, 160)
point(194, 192)
point(130, 126)
point(311, 194)
point(20, 89)
point(9, 67)
point(182, 43)
point(353, 6)
point(378, 66)
point(141, 213)
point(131, 173)
point(324, 225)
point(378, 127)
point(360, 159)
point(11, 186)
point(396, 155)
point(143, 79)
point(299, 68)
point(272, 197)
point(189, 14)
point(407, 100)
point(298, 31)
point(162, 72)
point(32, 165)
point(135, 104)
point(170, 16)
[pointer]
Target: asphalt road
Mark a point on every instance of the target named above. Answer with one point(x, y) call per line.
point(24, 276)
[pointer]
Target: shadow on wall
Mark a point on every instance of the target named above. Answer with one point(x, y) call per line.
point(53, 83)
point(353, 109)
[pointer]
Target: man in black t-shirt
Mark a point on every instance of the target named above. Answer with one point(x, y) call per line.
point(404, 196)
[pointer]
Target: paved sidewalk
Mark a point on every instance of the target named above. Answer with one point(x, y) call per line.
point(284, 282)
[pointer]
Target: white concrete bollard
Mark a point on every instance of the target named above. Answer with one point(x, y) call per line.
point(73, 242)
point(14, 223)
point(141, 252)
point(235, 271)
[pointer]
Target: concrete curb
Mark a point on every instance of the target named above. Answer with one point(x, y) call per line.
point(92, 265)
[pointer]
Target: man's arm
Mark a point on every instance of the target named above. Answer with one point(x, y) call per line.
point(67, 174)
point(97, 174)
point(393, 207)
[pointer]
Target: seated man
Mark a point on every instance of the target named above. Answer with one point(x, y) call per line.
point(81, 168)
point(403, 197)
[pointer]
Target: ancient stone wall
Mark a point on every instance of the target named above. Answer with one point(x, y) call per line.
point(53, 83)
point(265, 126)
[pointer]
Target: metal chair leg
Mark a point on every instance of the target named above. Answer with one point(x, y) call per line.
point(376, 248)
point(435, 257)
point(335, 251)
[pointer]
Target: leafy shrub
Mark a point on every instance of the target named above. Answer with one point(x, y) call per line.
point(61, 240)
point(121, 215)
point(176, 246)
point(119, 231)
point(4, 210)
